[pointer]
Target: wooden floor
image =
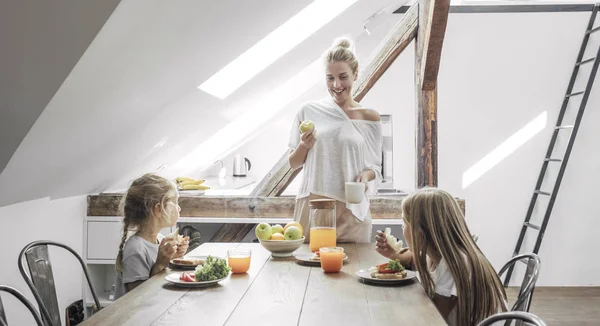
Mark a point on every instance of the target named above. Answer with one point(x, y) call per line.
point(565, 305)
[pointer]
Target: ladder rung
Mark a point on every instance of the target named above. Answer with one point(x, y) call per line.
point(542, 192)
point(533, 226)
point(563, 127)
point(552, 159)
point(594, 30)
point(585, 61)
point(575, 94)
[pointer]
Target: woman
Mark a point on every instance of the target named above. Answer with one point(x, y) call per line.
point(348, 148)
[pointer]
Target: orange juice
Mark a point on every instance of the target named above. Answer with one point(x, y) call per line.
point(322, 237)
point(239, 264)
point(239, 260)
point(331, 259)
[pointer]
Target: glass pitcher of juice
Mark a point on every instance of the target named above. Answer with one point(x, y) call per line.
point(322, 224)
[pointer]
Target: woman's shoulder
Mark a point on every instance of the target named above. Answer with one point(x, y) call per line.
point(369, 114)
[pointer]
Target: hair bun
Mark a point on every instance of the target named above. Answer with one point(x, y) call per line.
point(343, 43)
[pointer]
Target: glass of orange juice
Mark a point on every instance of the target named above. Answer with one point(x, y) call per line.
point(332, 259)
point(322, 224)
point(239, 259)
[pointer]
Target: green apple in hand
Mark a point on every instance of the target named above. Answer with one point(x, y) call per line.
point(277, 228)
point(292, 233)
point(263, 231)
point(306, 125)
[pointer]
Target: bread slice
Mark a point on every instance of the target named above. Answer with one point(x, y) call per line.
point(190, 262)
point(390, 276)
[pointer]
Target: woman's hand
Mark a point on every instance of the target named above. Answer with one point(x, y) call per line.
point(182, 247)
point(166, 251)
point(308, 139)
point(382, 247)
point(365, 177)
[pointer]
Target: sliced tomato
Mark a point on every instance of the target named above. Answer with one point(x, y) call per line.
point(384, 269)
point(187, 277)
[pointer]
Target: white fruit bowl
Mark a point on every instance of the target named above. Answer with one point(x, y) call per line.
point(282, 248)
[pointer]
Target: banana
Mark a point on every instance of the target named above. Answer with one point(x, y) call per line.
point(183, 179)
point(195, 182)
point(194, 187)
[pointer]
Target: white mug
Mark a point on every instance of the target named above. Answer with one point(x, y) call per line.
point(355, 192)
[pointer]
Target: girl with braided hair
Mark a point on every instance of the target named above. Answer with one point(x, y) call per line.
point(150, 204)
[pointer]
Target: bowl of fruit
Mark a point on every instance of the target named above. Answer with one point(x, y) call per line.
point(279, 240)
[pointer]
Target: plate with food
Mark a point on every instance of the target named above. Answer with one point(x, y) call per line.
point(189, 186)
point(312, 258)
point(211, 272)
point(391, 272)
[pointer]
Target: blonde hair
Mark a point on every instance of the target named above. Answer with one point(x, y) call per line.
point(341, 52)
point(437, 222)
point(137, 206)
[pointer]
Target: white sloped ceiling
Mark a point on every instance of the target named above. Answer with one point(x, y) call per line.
point(131, 103)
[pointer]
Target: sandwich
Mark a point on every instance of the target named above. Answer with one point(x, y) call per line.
point(178, 238)
point(392, 241)
point(391, 270)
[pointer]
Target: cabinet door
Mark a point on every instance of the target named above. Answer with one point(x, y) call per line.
point(103, 239)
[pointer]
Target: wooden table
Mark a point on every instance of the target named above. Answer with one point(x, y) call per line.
point(275, 291)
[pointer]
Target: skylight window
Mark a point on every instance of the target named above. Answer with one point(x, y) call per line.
point(273, 46)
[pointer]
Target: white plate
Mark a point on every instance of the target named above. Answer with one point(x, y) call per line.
point(305, 257)
point(192, 192)
point(365, 275)
point(173, 278)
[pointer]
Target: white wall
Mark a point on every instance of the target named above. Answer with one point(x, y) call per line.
point(61, 221)
point(498, 72)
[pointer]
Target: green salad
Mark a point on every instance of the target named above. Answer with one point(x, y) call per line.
point(215, 268)
point(395, 266)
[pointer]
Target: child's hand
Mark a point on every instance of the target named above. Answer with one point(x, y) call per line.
point(182, 247)
point(166, 251)
point(382, 247)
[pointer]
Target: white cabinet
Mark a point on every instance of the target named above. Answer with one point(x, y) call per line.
point(103, 239)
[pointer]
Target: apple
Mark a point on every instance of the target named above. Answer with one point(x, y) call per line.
point(277, 228)
point(306, 125)
point(277, 236)
point(293, 223)
point(263, 231)
point(292, 233)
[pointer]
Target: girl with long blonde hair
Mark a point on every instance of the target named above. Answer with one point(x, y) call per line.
point(454, 272)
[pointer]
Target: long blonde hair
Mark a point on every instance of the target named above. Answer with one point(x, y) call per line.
point(437, 222)
point(137, 206)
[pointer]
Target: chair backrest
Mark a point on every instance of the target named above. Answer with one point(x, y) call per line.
point(523, 302)
point(21, 297)
point(41, 280)
point(513, 315)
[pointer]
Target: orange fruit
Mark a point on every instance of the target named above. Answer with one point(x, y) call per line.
point(293, 224)
point(277, 236)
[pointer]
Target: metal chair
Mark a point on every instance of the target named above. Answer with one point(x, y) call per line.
point(23, 299)
point(513, 315)
point(41, 280)
point(533, 262)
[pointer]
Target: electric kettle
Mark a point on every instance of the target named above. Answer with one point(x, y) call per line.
point(241, 165)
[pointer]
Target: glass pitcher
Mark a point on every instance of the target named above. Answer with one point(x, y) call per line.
point(322, 224)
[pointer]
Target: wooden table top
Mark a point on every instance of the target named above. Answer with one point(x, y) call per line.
point(275, 291)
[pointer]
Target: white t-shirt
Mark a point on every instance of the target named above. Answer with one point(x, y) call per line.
point(446, 286)
point(345, 147)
